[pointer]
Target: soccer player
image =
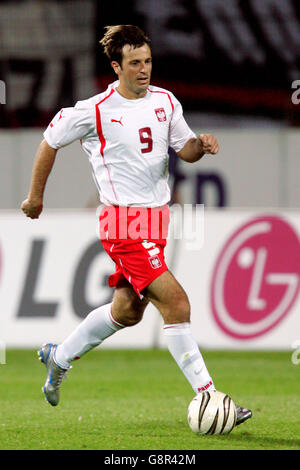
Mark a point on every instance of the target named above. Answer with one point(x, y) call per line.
point(125, 132)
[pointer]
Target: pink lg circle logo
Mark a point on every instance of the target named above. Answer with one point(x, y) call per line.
point(256, 278)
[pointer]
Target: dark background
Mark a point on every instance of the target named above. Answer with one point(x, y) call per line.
point(233, 58)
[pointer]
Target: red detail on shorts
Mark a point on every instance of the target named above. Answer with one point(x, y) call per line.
point(205, 387)
point(165, 93)
point(51, 125)
point(132, 264)
point(102, 138)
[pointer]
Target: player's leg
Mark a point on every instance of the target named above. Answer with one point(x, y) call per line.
point(91, 332)
point(126, 309)
point(170, 299)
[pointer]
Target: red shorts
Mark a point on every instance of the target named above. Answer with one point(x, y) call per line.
point(135, 239)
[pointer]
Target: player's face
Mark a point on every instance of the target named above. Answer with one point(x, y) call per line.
point(135, 71)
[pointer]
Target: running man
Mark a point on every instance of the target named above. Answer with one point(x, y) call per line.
point(126, 132)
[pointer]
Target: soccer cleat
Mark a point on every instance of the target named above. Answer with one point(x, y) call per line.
point(242, 414)
point(55, 373)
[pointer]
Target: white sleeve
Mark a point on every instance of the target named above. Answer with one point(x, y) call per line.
point(180, 132)
point(68, 125)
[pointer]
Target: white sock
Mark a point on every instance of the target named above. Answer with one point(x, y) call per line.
point(97, 326)
point(185, 351)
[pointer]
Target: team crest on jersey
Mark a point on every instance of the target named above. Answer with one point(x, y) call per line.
point(155, 262)
point(161, 114)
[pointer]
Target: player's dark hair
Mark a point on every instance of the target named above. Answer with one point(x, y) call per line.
point(117, 36)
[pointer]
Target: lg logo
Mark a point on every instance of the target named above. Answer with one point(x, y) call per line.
point(256, 278)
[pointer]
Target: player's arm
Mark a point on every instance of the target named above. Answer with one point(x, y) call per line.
point(68, 125)
point(43, 163)
point(195, 148)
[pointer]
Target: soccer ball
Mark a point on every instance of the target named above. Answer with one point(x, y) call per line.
point(212, 413)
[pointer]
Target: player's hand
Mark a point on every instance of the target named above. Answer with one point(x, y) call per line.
point(209, 143)
point(31, 208)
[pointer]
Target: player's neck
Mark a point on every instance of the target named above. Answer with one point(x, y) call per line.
point(128, 94)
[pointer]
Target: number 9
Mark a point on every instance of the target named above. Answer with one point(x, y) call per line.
point(146, 138)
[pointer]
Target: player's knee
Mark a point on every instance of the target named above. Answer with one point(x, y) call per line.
point(182, 310)
point(131, 315)
point(130, 312)
point(178, 311)
point(131, 319)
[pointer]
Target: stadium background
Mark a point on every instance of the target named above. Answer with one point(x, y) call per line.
point(234, 66)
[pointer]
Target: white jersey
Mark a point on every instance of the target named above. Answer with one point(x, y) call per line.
point(126, 142)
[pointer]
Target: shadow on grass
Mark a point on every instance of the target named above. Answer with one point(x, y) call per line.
point(262, 441)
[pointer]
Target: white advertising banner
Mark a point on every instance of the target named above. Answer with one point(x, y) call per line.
point(240, 269)
point(268, 157)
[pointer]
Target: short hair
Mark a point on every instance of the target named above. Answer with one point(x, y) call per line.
point(117, 36)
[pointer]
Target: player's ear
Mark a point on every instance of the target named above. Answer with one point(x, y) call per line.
point(116, 66)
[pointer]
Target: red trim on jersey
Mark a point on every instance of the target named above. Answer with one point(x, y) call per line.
point(102, 138)
point(165, 93)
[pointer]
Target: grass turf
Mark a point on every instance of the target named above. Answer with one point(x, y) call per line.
point(134, 400)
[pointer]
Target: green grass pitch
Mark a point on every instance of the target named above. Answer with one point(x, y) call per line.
point(135, 400)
